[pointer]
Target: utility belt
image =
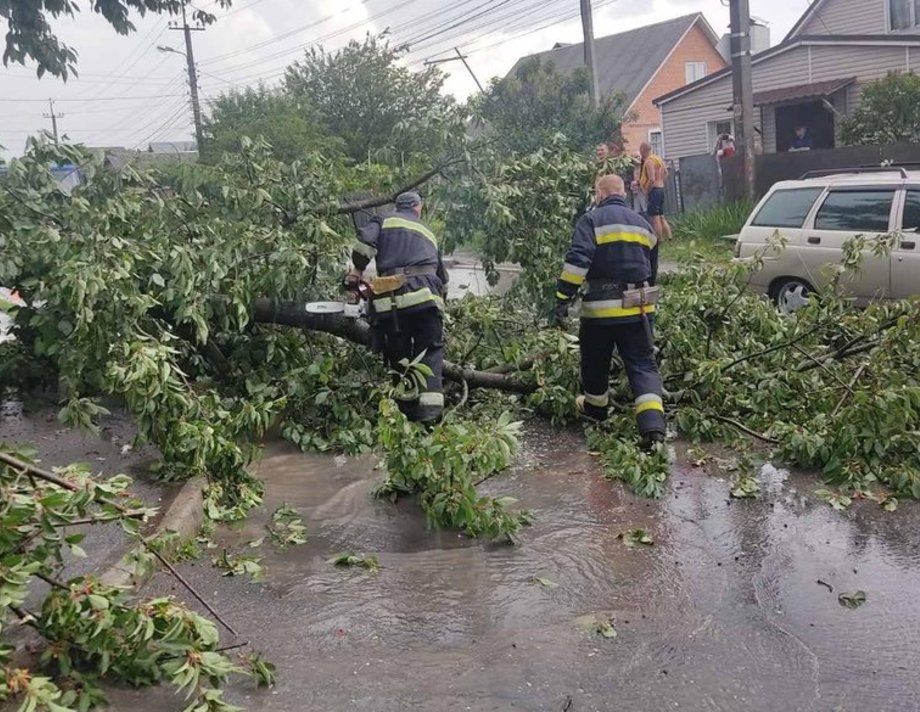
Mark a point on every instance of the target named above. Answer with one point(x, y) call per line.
point(633, 295)
point(391, 280)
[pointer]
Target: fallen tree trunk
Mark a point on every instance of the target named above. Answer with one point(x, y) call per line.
point(293, 314)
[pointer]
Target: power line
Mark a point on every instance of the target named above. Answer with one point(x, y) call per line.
point(241, 8)
point(142, 43)
point(106, 110)
point(157, 119)
point(496, 23)
point(290, 33)
point(445, 27)
point(530, 30)
point(176, 82)
point(166, 125)
point(278, 71)
point(84, 80)
point(107, 98)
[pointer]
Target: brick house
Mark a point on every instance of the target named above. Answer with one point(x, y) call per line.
point(643, 64)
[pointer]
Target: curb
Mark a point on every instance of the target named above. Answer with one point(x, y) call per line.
point(183, 516)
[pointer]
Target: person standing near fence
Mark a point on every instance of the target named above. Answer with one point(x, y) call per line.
point(653, 173)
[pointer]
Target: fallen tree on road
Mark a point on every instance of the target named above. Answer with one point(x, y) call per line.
point(267, 311)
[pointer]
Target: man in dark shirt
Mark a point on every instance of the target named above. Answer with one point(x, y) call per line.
point(803, 140)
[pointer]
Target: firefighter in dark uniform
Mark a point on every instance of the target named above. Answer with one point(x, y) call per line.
point(408, 297)
point(610, 257)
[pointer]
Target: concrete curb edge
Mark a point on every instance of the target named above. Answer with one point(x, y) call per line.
point(183, 516)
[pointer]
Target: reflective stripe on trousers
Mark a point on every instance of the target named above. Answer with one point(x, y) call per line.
point(598, 342)
point(420, 333)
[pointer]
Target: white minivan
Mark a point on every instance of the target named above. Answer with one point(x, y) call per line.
point(816, 215)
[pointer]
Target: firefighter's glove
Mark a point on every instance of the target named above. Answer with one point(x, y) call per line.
point(559, 315)
point(351, 282)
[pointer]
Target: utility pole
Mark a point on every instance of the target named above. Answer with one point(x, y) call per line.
point(54, 117)
point(743, 88)
point(587, 24)
point(462, 58)
point(192, 76)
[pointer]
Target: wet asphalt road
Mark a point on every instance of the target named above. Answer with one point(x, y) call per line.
point(108, 454)
point(724, 612)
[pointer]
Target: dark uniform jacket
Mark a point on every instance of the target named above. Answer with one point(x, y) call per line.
point(402, 244)
point(610, 251)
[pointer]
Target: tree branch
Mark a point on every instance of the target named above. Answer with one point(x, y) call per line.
point(50, 477)
point(349, 208)
point(745, 429)
point(293, 314)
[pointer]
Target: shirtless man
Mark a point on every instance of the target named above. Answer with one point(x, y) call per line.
point(652, 177)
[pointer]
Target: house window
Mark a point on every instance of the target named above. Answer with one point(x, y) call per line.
point(903, 14)
point(656, 141)
point(697, 70)
point(714, 129)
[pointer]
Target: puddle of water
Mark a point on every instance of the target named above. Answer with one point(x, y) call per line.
point(471, 279)
point(723, 613)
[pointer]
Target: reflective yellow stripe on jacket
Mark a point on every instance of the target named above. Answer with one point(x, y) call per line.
point(397, 222)
point(611, 309)
point(608, 234)
point(384, 304)
point(573, 275)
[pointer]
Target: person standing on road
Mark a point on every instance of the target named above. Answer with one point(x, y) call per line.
point(610, 255)
point(653, 173)
point(408, 297)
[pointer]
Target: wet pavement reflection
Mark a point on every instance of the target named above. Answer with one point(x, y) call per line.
point(724, 612)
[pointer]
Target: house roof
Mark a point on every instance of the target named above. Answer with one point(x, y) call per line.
point(785, 46)
point(801, 91)
point(806, 16)
point(626, 61)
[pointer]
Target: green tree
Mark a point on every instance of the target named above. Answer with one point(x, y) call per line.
point(30, 37)
point(288, 123)
point(380, 109)
point(889, 112)
point(526, 109)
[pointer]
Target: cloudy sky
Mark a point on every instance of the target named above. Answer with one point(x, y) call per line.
point(129, 93)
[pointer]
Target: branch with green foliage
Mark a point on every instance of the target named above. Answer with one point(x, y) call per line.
point(526, 110)
point(92, 630)
point(888, 113)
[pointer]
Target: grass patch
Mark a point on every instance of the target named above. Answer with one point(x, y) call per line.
point(712, 223)
point(699, 236)
point(697, 251)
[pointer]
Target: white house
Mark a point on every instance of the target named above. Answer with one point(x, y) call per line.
point(813, 78)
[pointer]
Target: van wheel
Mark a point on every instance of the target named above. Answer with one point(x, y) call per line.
point(790, 295)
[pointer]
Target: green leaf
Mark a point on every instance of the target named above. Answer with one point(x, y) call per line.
point(544, 582)
point(852, 600)
point(638, 537)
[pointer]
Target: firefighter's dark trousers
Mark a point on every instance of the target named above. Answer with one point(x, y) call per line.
point(598, 340)
point(405, 337)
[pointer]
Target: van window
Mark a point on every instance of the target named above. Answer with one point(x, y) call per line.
point(787, 208)
point(855, 211)
point(911, 219)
